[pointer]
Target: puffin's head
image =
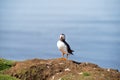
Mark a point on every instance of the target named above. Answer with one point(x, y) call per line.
point(62, 37)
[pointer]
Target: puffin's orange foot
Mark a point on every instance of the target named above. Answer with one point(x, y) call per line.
point(64, 59)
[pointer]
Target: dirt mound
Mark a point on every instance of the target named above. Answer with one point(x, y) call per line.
point(60, 69)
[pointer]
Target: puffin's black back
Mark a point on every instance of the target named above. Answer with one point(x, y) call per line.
point(68, 47)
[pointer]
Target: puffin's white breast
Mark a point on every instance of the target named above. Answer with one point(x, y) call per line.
point(62, 47)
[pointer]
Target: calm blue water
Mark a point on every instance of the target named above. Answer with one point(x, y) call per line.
point(30, 29)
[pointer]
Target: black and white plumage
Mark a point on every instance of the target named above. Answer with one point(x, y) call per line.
point(63, 46)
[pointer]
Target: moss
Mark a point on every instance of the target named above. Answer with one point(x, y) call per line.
point(7, 77)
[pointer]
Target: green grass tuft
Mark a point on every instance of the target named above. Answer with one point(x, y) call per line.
point(86, 74)
point(7, 77)
point(5, 64)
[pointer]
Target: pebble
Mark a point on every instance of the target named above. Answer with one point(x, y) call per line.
point(80, 73)
point(61, 63)
point(108, 69)
point(67, 69)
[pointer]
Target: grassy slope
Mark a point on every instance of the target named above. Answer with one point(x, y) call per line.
point(4, 65)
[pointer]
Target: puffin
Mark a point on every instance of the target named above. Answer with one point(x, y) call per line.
point(63, 46)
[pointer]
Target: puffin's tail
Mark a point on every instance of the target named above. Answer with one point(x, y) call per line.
point(71, 51)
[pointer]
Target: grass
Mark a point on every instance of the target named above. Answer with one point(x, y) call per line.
point(68, 77)
point(86, 74)
point(7, 77)
point(5, 64)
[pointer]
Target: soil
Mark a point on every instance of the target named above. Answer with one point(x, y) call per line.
point(60, 69)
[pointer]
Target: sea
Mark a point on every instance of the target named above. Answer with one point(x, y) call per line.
point(30, 29)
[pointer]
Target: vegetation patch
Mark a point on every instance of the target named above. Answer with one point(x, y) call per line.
point(86, 74)
point(7, 77)
point(5, 64)
point(68, 77)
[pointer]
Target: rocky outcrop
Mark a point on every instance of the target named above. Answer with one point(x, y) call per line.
point(60, 69)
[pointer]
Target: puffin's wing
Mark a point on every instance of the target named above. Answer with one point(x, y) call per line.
point(68, 48)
